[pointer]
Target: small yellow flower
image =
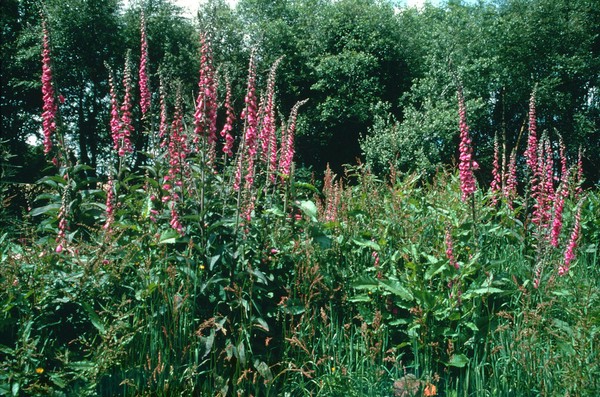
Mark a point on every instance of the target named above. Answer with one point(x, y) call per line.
point(39, 370)
point(201, 267)
point(332, 369)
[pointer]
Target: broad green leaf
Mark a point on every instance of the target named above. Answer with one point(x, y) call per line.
point(94, 318)
point(396, 288)
point(360, 298)
point(54, 207)
point(458, 361)
point(168, 237)
point(309, 209)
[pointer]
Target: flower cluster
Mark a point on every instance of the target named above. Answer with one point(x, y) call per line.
point(143, 72)
point(110, 204)
point(569, 252)
point(496, 184)
point(532, 144)
point(50, 108)
point(205, 116)
point(228, 126)
point(287, 142)
point(123, 139)
point(450, 249)
point(466, 164)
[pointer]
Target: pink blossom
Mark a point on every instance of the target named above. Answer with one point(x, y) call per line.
point(466, 164)
point(532, 145)
point(569, 252)
point(559, 203)
point(50, 108)
point(205, 116)
point(115, 123)
point(143, 73)
point(287, 149)
point(249, 115)
point(110, 204)
point(496, 184)
point(124, 139)
point(510, 187)
point(450, 249)
point(228, 127)
point(267, 133)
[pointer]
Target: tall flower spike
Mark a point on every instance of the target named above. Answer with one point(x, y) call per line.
point(268, 115)
point(496, 184)
point(570, 251)
point(510, 186)
point(450, 249)
point(143, 73)
point(115, 122)
point(250, 116)
point(287, 156)
point(124, 141)
point(205, 116)
point(466, 164)
point(559, 204)
point(228, 126)
point(532, 144)
point(50, 108)
point(110, 204)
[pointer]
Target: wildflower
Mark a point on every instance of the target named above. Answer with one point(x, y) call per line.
point(496, 184)
point(430, 390)
point(50, 108)
point(249, 115)
point(450, 249)
point(39, 370)
point(287, 150)
point(569, 252)
point(230, 116)
point(532, 144)
point(466, 164)
point(124, 143)
point(110, 201)
point(559, 203)
point(205, 116)
point(267, 133)
point(143, 73)
point(510, 186)
point(115, 122)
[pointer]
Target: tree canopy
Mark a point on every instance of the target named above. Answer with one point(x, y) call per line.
point(381, 79)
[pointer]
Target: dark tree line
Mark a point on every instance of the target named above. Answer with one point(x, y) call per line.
point(381, 80)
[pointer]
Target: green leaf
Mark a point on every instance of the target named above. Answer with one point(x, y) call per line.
point(366, 243)
point(360, 298)
point(396, 288)
point(264, 370)
point(54, 207)
point(168, 237)
point(94, 318)
point(458, 361)
point(485, 291)
point(309, 209)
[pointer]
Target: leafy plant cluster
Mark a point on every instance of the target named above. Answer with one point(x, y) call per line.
point(187, 271)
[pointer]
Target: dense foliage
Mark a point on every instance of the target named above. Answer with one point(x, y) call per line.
point(173, 244)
